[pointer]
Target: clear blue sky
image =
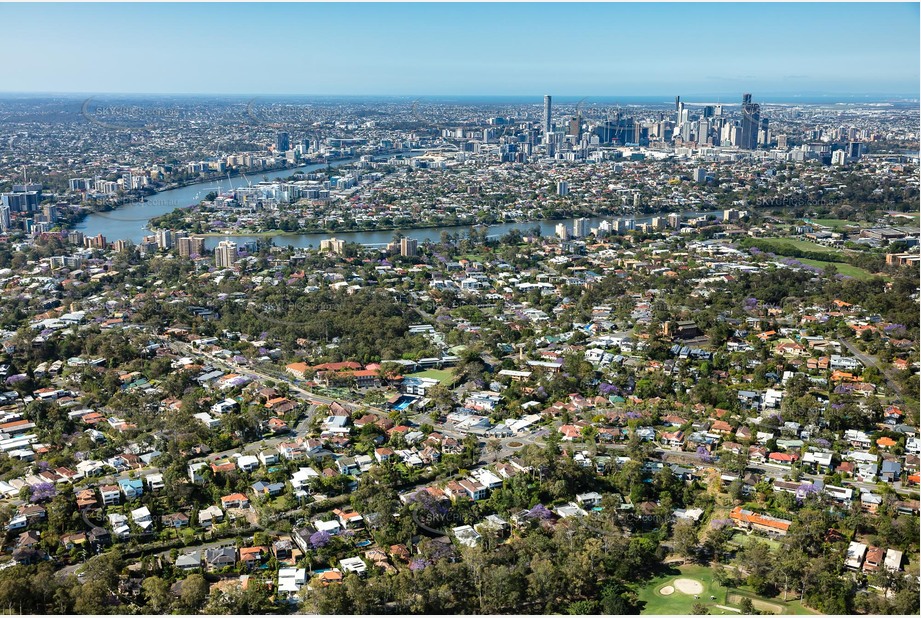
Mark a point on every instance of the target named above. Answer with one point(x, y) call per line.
point(462, 49)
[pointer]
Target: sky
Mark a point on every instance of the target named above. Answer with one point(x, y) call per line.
point(463, 49)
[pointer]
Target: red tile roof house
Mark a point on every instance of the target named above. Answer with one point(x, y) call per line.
point(349, 519)
point(874, 559)
point(721, 427)
point(235, 501)
point(251, 556)
point(764, 523)
point(783, 459)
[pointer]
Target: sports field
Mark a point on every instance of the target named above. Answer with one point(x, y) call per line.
point(445, 376)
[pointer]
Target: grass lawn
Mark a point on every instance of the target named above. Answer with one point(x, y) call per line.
point(844, 269)
point(679, 603)
point(837, 223)
point(742, 540)
point(803, 245)
point(445, 376)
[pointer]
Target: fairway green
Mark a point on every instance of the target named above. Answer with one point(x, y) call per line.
point(679, 603)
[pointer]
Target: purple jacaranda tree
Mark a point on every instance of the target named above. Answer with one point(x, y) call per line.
point(320, 539)
point(41, 492)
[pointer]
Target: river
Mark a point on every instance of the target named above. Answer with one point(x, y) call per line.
point(129, 222)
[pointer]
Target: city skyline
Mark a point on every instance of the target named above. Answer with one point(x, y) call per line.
point(470, 50)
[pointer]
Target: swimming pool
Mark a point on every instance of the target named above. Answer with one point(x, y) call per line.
point(403, 402)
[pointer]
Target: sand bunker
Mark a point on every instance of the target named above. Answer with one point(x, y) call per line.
point(688, 586)
point(667, 590)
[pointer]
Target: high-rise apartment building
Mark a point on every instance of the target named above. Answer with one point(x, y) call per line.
point(225, 254)
point(191, 245)
point(547, 117)
point(408, 246)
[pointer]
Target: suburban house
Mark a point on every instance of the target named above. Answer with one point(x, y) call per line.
point(235, 501)
point(749, 520)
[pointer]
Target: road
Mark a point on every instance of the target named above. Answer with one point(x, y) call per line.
point(869, 361)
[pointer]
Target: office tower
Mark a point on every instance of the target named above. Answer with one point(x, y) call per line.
point(751, 121)
point(703, 131)
point(580, 228)
point(282, 143)
point(225, 254)
point(562, 231)
point(408, 246)
point(562, 188)
point(547, 118)
point(674, 220)
point(717, 110)
point(708, 111)
point(4, 218)
point(575, 127)
point(855, 150)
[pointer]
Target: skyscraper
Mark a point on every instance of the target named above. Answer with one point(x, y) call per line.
point(751, 122)
point(225, 254)
point(547, 118)
point(282, 143)
point(4, 218)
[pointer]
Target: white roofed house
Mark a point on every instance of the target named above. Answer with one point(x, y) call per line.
point(855, 554)
point(154, 481)
point(353, 565)
point(142, 519)
point(119, 525)
point(209, 516)
point(466, 536)
point(821, 460)
point(893, 560)
point(247, 463)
